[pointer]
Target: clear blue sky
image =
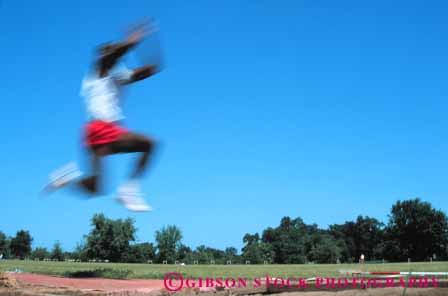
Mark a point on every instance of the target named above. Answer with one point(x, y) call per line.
point(318, 109)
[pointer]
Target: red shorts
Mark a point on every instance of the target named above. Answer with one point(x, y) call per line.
point(101, 132)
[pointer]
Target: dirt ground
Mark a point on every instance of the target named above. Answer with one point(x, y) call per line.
point(39, 285)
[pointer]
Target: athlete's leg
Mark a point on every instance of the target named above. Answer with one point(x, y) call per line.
point(133, 142)
point(91, 183)
point(129, 193)
point(127, 143)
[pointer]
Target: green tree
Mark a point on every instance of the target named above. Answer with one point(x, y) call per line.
point(110, 239)
point(183, 252)
point(57, 253)
point(250, 239)
point(417, 231)
point(204, 254)
point(80, 252)
point(255, 250)
point(21, 244)
point(4, 244)
point(168, 243)
point(323, 248)
point(287, 241)
point(141, 253)
point(40, 254)
point(231, 254)
point(363, 236)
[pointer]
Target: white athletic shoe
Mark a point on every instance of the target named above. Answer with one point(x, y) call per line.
point(63, 176)
point(130, 196)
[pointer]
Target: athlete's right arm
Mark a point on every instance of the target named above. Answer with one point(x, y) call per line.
point(119, 49)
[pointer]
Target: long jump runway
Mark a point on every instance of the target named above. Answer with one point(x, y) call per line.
point(22, 284)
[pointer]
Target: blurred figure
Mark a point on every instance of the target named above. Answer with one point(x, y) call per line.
point(104, 134)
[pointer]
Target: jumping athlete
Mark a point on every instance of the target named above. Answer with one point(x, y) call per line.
point(103, 134)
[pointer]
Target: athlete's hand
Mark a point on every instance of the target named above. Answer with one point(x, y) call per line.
point(140, 31)
point(136, 36)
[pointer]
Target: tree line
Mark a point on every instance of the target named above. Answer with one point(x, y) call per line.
point(414, 230)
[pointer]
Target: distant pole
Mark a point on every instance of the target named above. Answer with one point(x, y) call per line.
point(361, 262)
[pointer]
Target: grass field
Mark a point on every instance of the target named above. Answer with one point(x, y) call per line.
point(158, 271)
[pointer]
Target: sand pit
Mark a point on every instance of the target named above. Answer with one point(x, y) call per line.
point(35, 284)
point(7, 281)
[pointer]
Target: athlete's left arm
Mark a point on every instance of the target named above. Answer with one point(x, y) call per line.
point(141, 73)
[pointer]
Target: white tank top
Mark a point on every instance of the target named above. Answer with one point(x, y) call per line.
point(102, 96)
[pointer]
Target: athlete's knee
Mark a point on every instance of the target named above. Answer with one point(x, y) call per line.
point(148, 144)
